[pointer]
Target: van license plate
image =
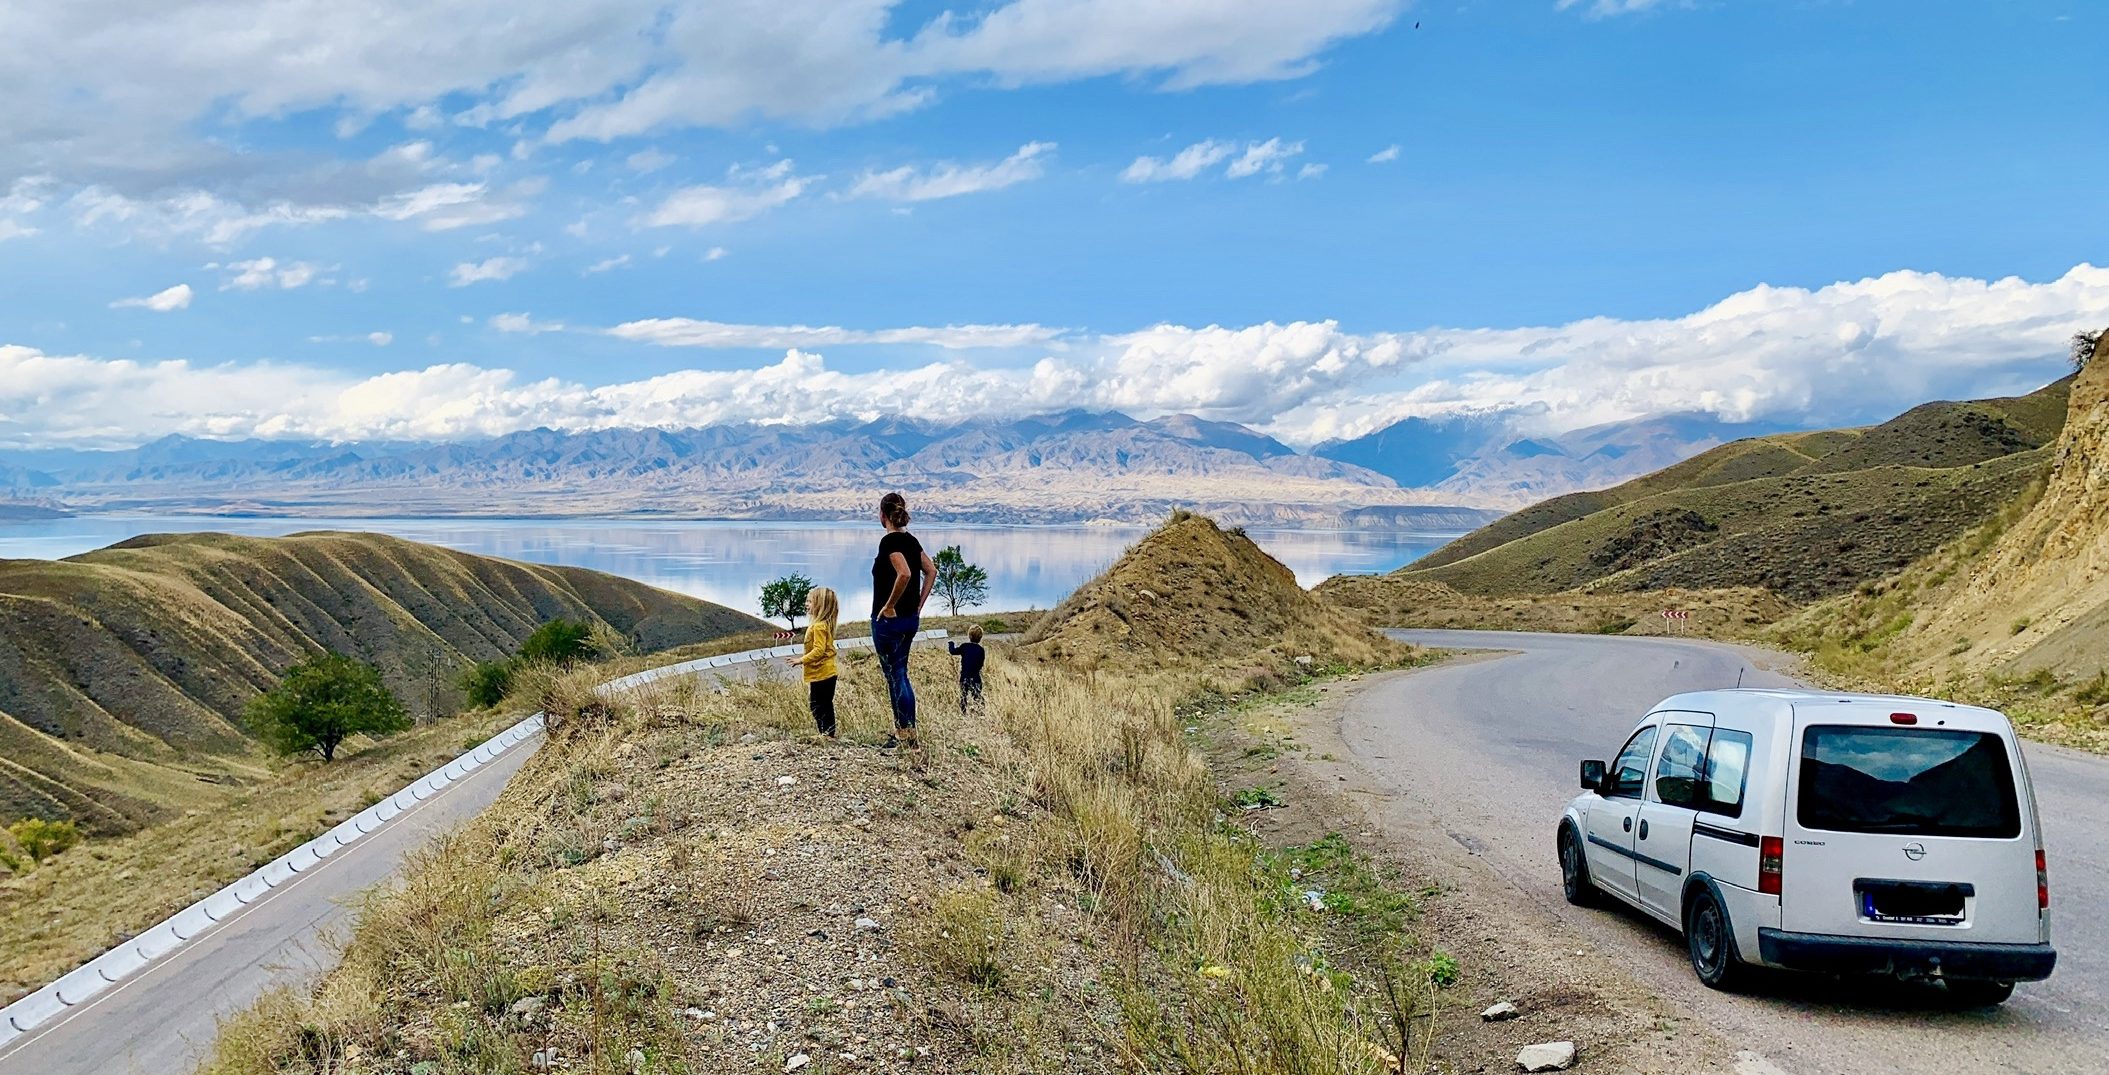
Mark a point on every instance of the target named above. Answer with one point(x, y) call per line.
point(1917, 902)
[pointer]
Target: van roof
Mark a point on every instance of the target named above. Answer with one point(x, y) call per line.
point(1739, 699)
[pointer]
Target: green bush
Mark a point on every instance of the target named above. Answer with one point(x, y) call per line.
point(41, 839)
point(488, 682)
point(560, 642)
point(324, 701)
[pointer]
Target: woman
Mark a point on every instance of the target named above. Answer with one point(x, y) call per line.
point(901, 578)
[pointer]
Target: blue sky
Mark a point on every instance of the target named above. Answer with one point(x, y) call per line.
point(1569, 209)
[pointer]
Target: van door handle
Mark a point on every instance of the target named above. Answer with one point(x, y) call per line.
point(1643, 830)
point(1629, 824)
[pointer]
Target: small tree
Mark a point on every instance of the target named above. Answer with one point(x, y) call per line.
point(2083, 348)
point(41, 839)
point(488, 682)
point(559, 642)
point(786, 597)
point(324, 701)
point(959, 583)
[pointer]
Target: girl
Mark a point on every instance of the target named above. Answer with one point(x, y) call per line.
point(819, 660)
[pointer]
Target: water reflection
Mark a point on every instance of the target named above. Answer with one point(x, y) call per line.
point(727, 562)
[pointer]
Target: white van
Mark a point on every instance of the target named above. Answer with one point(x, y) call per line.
point(1815, 831)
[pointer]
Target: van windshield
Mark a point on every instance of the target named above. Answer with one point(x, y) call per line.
point(1911, 781)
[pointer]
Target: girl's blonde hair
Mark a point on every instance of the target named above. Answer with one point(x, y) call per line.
point(823, 606)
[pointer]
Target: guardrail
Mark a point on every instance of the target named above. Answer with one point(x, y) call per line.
point(171, 935)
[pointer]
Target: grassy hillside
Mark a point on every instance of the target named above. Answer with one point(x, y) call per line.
point(1804, 514)
point(1194, 595)
point(123, 671)
point(2016, 612)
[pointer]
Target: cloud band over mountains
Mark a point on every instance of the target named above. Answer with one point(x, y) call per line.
point(1850, 351)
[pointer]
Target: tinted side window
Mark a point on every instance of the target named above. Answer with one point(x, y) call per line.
point(1629, 774)
point(1727, 770)
point(1680, 777)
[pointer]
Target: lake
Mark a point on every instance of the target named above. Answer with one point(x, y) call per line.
point(727, 562)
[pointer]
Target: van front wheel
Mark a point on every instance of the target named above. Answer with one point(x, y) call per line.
point(1574, 870)
point(1711, 941)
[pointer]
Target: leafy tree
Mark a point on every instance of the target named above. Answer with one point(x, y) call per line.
point(487, 682)
point(324, 701)
point(2083, 348)
point(959, 583)
point(559, 641)
point(43, 839)
point(786, 597)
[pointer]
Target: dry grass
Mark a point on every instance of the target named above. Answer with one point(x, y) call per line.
point(1399, 601)
point(1051, 886)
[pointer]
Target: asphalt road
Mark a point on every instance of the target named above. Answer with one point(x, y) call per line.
point(164, 1021)
point(1489, 748)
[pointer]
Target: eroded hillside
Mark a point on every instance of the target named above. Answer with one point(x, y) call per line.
point(123, 671)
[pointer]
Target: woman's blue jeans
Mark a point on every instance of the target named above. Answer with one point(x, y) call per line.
point(891, 640)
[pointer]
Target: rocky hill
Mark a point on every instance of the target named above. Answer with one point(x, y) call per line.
point(1802, 514)
point(123, 671)
point(1195, 595)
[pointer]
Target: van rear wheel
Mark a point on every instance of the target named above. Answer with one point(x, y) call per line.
point(1574, 870)
point(1978, 994)
point(1711, 941)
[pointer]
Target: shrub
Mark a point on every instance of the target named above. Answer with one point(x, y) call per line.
point(41, 839)
point(2095, 691)
point(560, 642)
point(488, 682)
point(324, 701)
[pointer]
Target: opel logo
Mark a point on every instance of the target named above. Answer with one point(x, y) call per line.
point(1914, 851)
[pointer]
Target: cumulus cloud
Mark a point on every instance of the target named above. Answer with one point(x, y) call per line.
point(686, 332)
point(712, 254)
point(1386, 155)
point(163, 301)
point(949, 180)
point(1852, 351)
point(1311, 171)
point(608, 264)
point(476, 272)
point(258, 273)
point(1270, 156)
point(522, 323)
point(1604, 9)
point(750, 193)
point(648, 160)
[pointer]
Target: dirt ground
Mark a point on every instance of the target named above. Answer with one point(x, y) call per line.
point(1509, 947)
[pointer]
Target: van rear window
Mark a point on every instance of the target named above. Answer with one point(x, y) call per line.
point(1910, 781)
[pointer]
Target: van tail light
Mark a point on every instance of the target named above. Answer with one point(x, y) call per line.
point(2042, 881)
point(1772, 861)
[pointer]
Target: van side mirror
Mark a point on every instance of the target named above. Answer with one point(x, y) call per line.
point(1592, 775)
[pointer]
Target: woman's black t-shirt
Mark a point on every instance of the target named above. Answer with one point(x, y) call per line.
point(883, 574)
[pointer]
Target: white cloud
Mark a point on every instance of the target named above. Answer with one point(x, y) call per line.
point(380, 339)
point(476, 272)
point(1604, 9)
point(258, 273)
point(686, 332)
point(608, 264)
point(752, 192)
point(1190, 162)
point(947, 180)
point(648, 160)
point(1386, 155)
point(712, 254)
point(1267, 156)
point(1311, 171)
point(1851, 351)
point(523, 324)
point(163, 301)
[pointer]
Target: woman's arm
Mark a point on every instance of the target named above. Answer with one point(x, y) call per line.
point(900, 583)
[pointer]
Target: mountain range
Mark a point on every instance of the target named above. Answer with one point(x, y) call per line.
point(1064, 467)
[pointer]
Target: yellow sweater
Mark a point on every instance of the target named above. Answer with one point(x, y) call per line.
point(819, 659)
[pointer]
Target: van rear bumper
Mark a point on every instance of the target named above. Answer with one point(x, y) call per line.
point(1872, 955)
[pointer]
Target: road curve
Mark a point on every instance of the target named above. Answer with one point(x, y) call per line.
point(165, 1020)
point(1489, 748)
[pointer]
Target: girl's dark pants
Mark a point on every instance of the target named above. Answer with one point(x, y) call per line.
point(821, 695)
